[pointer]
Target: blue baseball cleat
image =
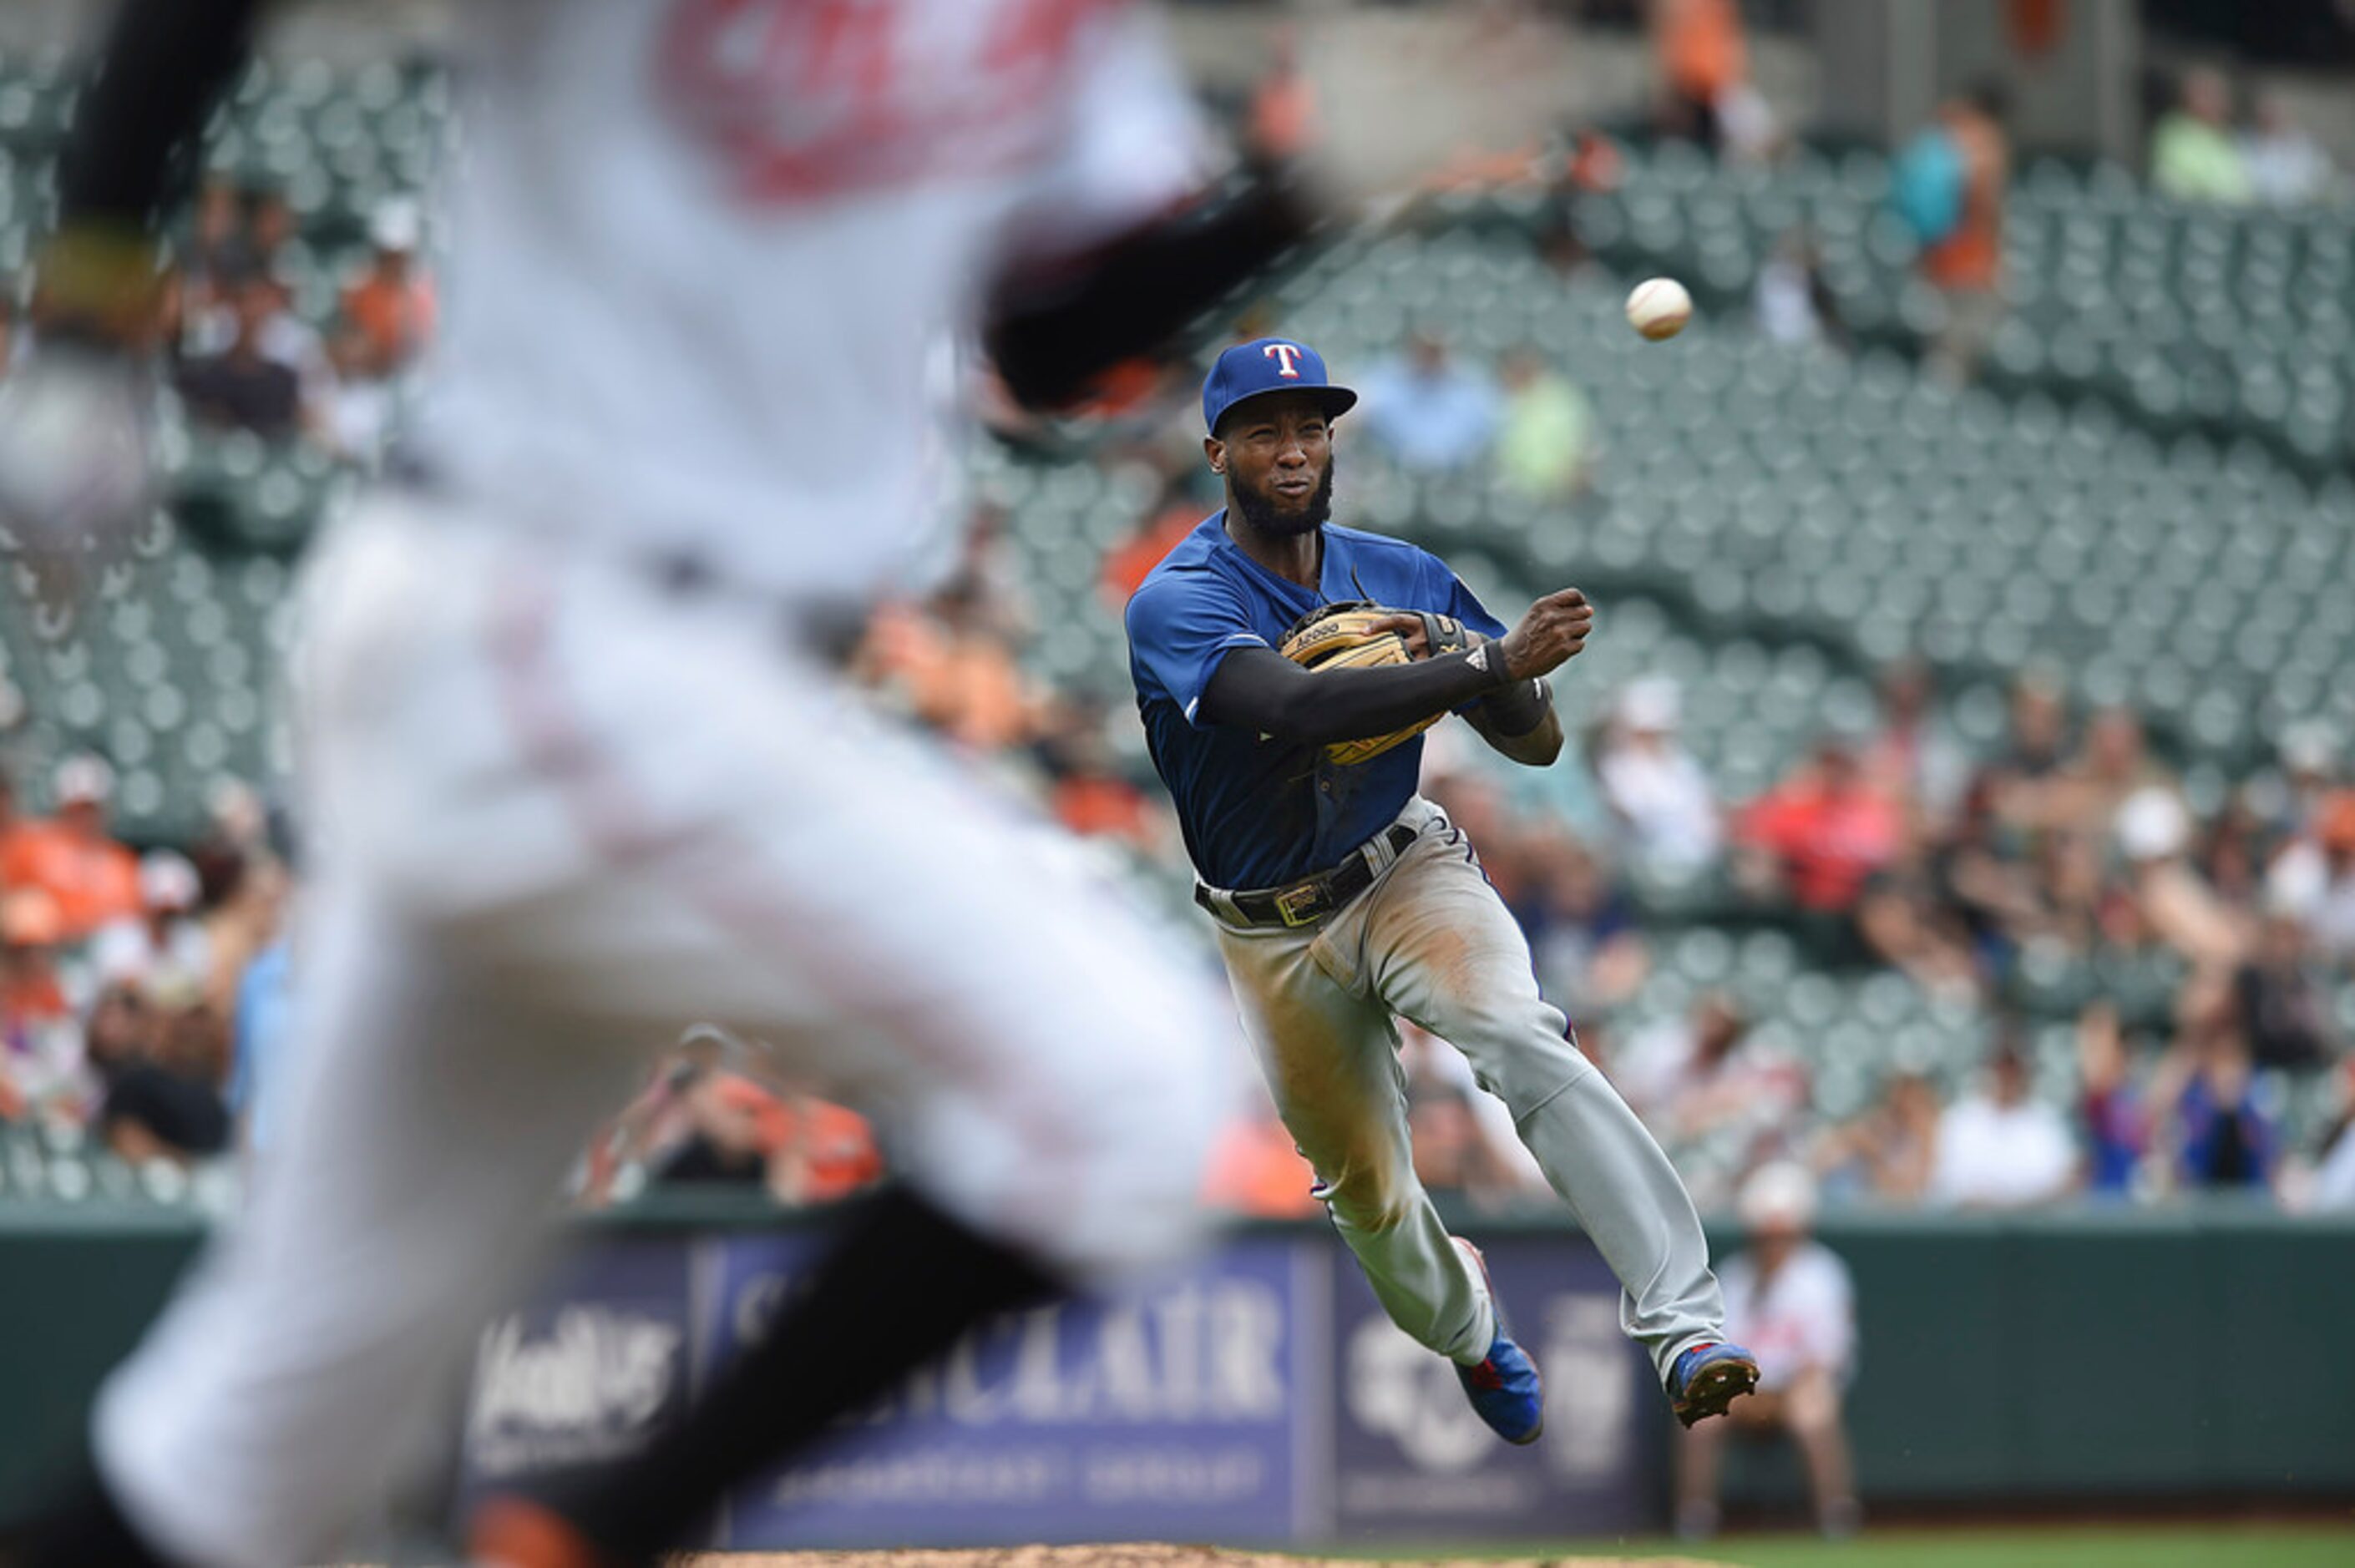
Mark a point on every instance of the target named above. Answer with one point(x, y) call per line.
point(1504, 1387)
point(1707, 1378)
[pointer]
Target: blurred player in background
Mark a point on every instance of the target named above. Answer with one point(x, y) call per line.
point(1789, 1297)
point(576, 759)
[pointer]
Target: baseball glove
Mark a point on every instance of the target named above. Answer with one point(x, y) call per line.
point(1349, 634)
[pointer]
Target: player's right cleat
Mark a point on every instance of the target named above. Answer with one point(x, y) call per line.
point(1707, 1378)
point(517, 1533)
point(1503, 1386)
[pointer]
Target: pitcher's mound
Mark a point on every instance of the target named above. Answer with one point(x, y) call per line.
point(1153, 1555)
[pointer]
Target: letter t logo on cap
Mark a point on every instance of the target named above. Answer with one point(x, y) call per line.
point(1288, 359)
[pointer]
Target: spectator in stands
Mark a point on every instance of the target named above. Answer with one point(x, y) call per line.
point(40, 1050)
point(1821, 833)
point(944, 665)
point(1281, 123)
point(1545, 442)
point(270, 225)
point(1584, 935)
point(2173, 901)
point(1688, 1077)
point(735, 1126)
point(1653, 785)
point(2002, 1147)
point(71, 856)
point(2034, 749)
point(1461, 1135)
point(2111, 1117)
point(1790, 1299)
point(1446, 1141)
point(2284, 1010)
point(1887, 1153)
point(1949, 186)
point(1982, 882)
point(2287, 166)
point(2193, 155)
point(2309, 765)
point(1086, 791)
point(357, 418)
point(1703, 59)
point(163, 944)
point(989, 579)
point(829, 1153)
point(163, 1098)
point(1904, 923)
point(1912, 758)
point(2230, 854)
point(241, 387)
point(282, 337)
point(2221, 1135)
point(1427, 413)
point(1792, 301)
point(218, 244)
point(2113, 763)
point(2313, 878)
point(392, 304)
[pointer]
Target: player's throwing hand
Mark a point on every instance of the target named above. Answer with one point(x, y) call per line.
point(1548, 635)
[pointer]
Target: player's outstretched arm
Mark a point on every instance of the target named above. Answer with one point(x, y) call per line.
point(1259, 689)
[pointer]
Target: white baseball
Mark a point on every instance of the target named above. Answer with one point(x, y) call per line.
point(1659, 308)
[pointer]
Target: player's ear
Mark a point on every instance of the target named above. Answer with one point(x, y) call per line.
point(1215, 451)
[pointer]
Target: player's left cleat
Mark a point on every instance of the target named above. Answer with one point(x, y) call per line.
point(1707, 1378)
point(1503, 1386)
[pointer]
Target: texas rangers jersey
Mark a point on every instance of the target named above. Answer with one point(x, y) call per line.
point(707, 254)
point(1259, 812)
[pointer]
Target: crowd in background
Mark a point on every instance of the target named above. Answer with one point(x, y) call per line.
point(143, 998)
point(243, 358)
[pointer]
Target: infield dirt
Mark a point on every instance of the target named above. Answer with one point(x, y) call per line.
point(1137, 1556)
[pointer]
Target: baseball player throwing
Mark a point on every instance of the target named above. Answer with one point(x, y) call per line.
point(1287, 732)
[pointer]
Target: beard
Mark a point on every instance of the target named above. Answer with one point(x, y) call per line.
point(1262, 509)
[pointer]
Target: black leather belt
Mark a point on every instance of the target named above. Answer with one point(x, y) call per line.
point(1309, 900)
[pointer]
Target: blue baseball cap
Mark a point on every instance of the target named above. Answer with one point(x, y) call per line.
point(1268, 365)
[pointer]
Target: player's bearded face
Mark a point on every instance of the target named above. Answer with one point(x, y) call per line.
point(1270, 509)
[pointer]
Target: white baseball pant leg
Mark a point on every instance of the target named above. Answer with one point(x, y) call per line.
point(563, 815)
point(1430, 941)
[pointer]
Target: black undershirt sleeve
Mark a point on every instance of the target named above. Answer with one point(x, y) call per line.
point(1054, 329)
point(1259, 689)
point(163, 64)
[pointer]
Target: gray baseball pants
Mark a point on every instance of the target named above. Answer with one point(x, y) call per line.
point(1430, 941)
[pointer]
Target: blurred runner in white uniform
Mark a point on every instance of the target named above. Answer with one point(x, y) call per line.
point(578, 770)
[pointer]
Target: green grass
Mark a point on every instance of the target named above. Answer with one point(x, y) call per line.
point(2189, 1545)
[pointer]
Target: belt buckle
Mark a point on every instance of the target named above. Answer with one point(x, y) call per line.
point(1301, 905)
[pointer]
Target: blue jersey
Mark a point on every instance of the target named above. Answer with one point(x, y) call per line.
point(1259, 812)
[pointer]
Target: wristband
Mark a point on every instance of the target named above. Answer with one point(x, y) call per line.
point(1520, 707)
point(1490, 661)
point(100, 277)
